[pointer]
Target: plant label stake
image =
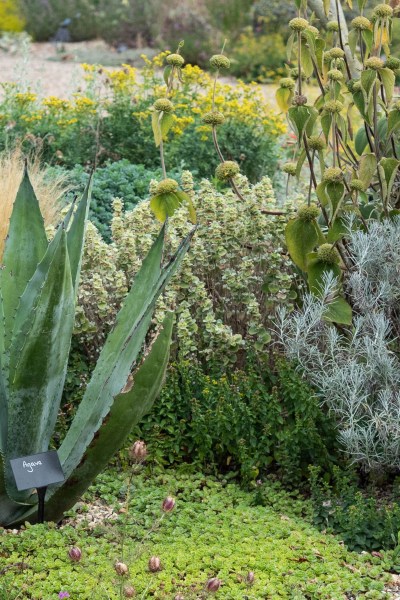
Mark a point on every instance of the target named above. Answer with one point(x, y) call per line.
point(37, 471)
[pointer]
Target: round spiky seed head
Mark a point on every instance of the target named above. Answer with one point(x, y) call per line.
point(75, 554)
point(316, 143)
point(313, 29)
point(121, 568)
point(356, 86)
point(154, 564)
point(333, 106)
point(396, 105)
point(332, 26)
point(129, 591)
point(308, 213)
point(290, 168)
point(382, 11)
point(361, 23)
point(333, 175)
point(392, 63)
point(227, 170)
point(214, 117)
point(357, 185)
point(374, 62)
point(138, 451)
point(294, 73)
point(335, 75)
point(213, 584)
point(299, 100)
point(168, 504)
point(175, 60)
point(298, 24)
point(328, 254)
point(287, 83)
point(335, 53)
point(167, 186)
point(163, 105)
point(220, 61)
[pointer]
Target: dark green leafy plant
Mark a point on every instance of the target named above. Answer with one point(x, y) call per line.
point(242, 423)
point(360, 518)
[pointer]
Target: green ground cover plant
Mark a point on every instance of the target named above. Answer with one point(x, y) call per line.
point(214, 531)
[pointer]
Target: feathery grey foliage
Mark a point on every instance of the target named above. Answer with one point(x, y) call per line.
point(356, 371)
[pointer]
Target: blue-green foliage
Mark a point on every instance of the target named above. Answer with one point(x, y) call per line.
point(115, 179)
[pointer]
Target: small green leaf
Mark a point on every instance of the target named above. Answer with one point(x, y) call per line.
point(368, 81)
point(164, 205)
point(284, 98)
point(186, 199)
point(335, 193)
point(360, 141)
point(339, 311)
point(393, 121)
point(299, 117)
point(388, 80)
point(367, 169)
point(317, 270)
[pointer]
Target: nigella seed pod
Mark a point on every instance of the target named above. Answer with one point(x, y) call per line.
point(154, 564)
point(250, 578)
point(121, 568)
point(138, 451)
point(75, 554)
point(129, 591)
point(168, 504)
point(213, 584)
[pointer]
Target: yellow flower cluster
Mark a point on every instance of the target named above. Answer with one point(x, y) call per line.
point(32, 118)
point(24, 98)
point(122, 80)
point(84, 104)
point(56, 104)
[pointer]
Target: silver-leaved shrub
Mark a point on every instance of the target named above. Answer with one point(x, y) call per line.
point(356, 370)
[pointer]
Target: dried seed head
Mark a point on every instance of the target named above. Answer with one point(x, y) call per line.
point(332, 26)
point(335, 75)
point(163, 105)
point(361, 23)
point(308, 213)
point(213, 117)
point(167, 186)
point(290, 168)
point(299, 100)
point(287, 83)
point(298, 24)
point(313, 29)
point(138, 451)
point(220, 61)
point(121, 568)
point(154, 564)
point(382, 11)
point(333, 175)
point(374, 62)
point(129, 591)
point(175, 60)
point(213, 584)
point(357, 185)
point(316, 143)
point(75, 554)
point(335, 53)
point(392, 63)
point(328, 254)
point(227, 170)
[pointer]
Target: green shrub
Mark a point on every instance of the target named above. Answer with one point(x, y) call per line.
point(224, 305)
point(258, 57)
point(241, 422)
point(120, 179)
point(90, 129)
point(363, 521)
point(43, 17)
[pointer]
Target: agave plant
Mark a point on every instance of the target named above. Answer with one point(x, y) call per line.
point(38, 288)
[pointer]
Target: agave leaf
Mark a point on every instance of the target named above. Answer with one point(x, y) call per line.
point(120, 351)
point(127, 410)
point(8, 508)
point(38, 362)
point(76, 234)
point(3, 412)
point(25, 246)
